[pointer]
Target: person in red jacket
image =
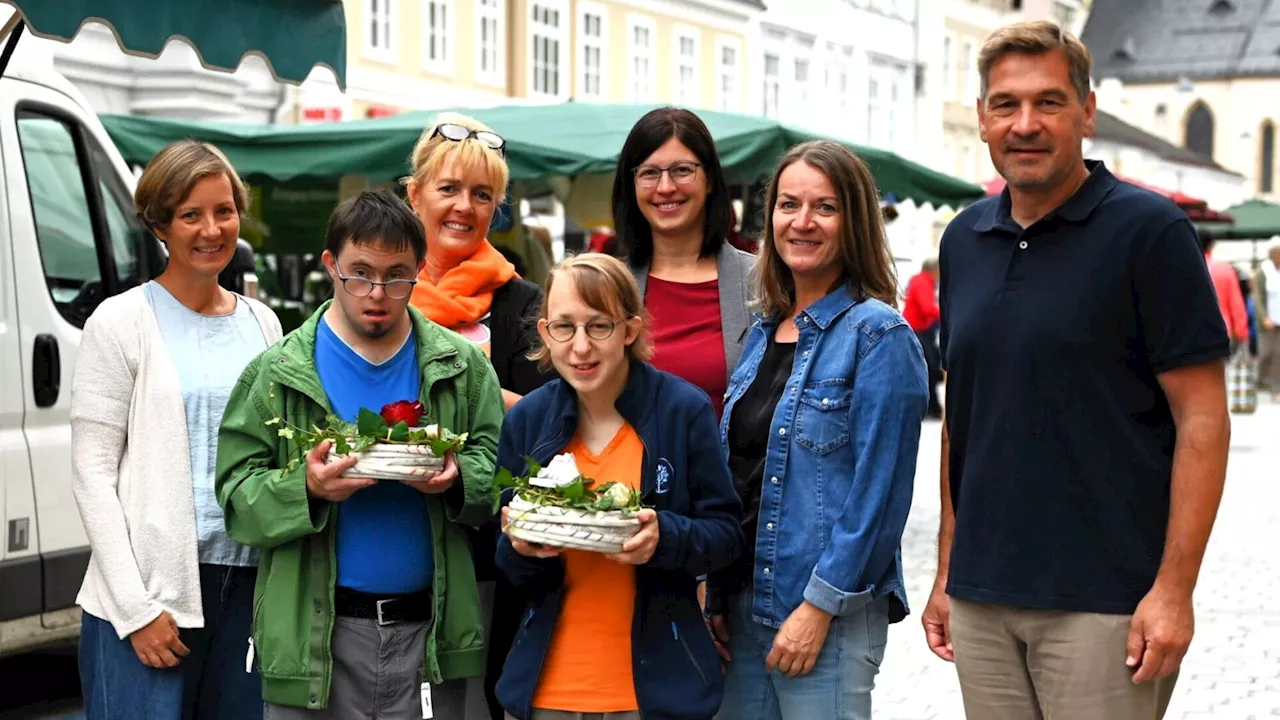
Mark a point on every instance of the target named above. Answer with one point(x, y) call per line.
point(920, 308)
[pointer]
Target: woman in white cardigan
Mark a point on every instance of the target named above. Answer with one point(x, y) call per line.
point(167, 597)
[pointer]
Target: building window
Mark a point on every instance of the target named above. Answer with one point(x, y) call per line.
point(729, 91)
point(970, 70)
point(438, 35)
point(548, 27)
point(380, 29)
point(1267, 160)
point(687, 67)
point(948, 72)
point(802, 84)
point(1199, 130)
point(593, 21)
point(772, 72)
point(641, 66)
point(489, 36)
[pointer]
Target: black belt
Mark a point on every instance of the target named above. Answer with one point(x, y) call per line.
point(385, 609)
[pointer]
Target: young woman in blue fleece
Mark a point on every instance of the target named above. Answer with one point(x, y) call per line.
point(821, 426)
point(617, 636)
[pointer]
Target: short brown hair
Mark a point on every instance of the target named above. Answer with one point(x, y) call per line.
point(866, 263)
point(606, 285)
point(432, 154)
point(173, 172)
point(1037, 38)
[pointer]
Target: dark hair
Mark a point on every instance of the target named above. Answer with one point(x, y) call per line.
point(635, 237)
point(1206, 239)
point(376, 216)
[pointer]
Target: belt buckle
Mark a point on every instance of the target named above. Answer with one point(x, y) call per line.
point(378, 608)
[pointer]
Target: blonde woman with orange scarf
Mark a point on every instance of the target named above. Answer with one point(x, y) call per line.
point(459, 179)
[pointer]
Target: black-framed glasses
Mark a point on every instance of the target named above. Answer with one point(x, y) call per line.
point(563, 330)
point(362, 287)
point(458, 133)
point(682, 173)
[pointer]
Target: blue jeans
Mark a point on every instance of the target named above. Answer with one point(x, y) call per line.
point(208, 684)
point(838, 687)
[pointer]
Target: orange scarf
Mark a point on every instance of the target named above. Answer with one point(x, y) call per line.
point(465, 292)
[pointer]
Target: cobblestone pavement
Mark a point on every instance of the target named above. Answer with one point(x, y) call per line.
point(1232, 671)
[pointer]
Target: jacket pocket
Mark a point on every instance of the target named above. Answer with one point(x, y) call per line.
point(684, 643)
point(822, 420)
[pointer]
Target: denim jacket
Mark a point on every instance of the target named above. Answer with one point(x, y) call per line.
point(841, 459)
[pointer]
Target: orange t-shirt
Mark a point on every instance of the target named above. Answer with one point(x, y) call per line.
point(588, 666)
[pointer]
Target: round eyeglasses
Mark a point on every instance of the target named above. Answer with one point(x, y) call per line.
point(563, 331)
point(362, 287)
point(682, 173)
point(458, 133)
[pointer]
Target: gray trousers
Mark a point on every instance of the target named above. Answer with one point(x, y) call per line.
point(376, 676)
point(1269, 358)
point(1019, 664)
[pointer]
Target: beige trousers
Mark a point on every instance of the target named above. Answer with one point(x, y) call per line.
point(1269, 358)
point(1017, 664)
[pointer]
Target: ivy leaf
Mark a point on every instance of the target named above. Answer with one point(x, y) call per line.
point(399, 433)
point(504, 480)
point(341, 445)
point(285, 433)
point(534, 466)
point(370, 424)
point(272, 421)
point(574, 491)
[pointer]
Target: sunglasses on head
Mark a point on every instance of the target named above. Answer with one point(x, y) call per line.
point(458, 133)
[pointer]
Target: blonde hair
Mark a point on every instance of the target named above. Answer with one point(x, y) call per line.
point(1037, 38)
point(173, 172)
point(864, 257)
point(431, 155)
point(606, 285)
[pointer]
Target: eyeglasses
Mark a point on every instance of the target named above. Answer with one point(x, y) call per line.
point(458, 133)
point(563, 331)
point(362, 287)
point(681, 173)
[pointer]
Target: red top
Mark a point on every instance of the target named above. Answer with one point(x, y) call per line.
point(1230, 298)
point(688, 339)
point(920, 308)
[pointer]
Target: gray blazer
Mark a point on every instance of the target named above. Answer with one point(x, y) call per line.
point(733, 267)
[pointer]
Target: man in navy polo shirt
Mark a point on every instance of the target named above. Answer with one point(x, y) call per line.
point(1086, 431)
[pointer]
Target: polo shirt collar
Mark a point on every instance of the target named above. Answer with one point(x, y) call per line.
point(1078, 207)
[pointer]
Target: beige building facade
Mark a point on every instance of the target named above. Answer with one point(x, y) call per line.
point(430, 54)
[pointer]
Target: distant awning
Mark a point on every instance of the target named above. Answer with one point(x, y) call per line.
point(292, 35)
point(1254, 220)
point(1188, 203)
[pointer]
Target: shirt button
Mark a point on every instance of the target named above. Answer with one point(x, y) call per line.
point(826, 401)
point(317, 608)
point(766, 571)
point(782, 431)
point(768, 526)
point(1023, 244)
point(806, 353)
point(774, 480)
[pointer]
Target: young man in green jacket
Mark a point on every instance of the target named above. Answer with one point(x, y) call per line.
point(366, 602)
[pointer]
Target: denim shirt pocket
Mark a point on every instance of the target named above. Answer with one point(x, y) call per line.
point(822, 420)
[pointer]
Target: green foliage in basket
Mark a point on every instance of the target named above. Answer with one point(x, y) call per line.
point(369, 428)
point(581, 494)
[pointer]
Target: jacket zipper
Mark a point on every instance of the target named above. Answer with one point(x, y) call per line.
point(675, 633)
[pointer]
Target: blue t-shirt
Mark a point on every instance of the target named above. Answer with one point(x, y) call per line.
point(209, 352)
point(384, 531)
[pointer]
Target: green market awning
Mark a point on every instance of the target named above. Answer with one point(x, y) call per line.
point(1253, 220)
point(543, 142)
point(292, 35)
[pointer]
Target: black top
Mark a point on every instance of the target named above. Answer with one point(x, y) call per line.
point(748, 442)
point(513, 323)
point(1061, 438)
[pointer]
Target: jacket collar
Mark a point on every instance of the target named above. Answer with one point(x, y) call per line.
point(295, 363)
point(824, 312)
point(1078, 207)
point(635, 404)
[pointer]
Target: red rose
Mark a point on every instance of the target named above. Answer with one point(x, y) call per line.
point(404, 410)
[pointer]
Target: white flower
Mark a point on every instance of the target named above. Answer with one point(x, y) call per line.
point(561, 471)
point(620, 494)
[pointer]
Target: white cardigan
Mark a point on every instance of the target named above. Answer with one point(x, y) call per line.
point(132, 467)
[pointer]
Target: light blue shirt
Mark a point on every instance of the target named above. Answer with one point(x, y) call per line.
point(209, 352)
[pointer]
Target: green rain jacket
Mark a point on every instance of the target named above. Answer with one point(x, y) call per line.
point(267, 507)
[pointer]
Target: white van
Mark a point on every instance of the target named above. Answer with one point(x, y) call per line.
point(68, 239)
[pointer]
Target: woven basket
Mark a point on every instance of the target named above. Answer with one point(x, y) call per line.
point(389, 461)
point(602, 531)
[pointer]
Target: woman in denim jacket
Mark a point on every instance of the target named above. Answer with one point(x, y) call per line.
point(821, 427)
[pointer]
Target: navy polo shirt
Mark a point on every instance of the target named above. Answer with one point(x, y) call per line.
point(1061, 438)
